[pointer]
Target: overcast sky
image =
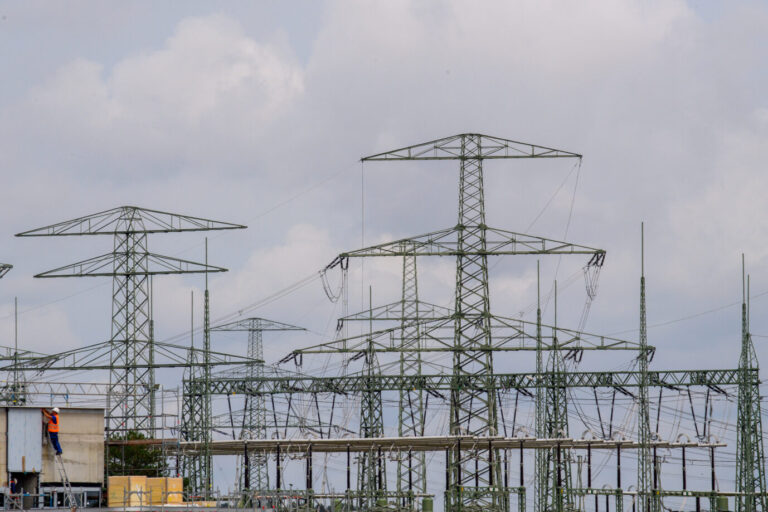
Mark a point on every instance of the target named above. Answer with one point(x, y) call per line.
point(258, 113)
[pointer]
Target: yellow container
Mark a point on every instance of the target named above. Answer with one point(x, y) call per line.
point(175, 487)
point(128, 491)
point(156, 488)
point(165, 490)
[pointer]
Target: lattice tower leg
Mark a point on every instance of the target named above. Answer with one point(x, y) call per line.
point(647, 500)
point(196, 467)
point(556, 494)
point(371, 475)
point(411, 471)
point(131, 347)
point(541, 480)
point(205, 461)
point(256, 414)
point(474, 476)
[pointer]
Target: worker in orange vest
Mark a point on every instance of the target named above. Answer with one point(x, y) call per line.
point(53, 428)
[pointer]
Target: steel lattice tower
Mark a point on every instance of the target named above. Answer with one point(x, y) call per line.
point(411, 473)
point(750, 460)
point(255, 476)
point(473, 411)
point(131, 266)
point(4, 269)
point(371, 470)
point(474, 475)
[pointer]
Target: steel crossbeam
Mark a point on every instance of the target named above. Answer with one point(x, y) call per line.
point(437, 383)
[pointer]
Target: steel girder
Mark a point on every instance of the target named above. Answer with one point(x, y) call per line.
point(440, 383)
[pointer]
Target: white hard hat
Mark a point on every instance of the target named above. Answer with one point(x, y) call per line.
point(56, 410)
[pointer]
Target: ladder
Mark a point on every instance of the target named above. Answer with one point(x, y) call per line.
point(69, 499)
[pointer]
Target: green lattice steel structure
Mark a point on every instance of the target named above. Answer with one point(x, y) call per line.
point(472, 334)
point(750, 459)
point(255, 476)
point(475, 476)
point(131, 267)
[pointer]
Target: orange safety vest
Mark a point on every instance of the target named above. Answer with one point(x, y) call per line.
point(53, 427)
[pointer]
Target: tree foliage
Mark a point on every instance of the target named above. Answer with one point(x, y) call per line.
point(135, 459)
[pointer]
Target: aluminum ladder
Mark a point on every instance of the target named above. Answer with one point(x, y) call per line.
point(69, 495)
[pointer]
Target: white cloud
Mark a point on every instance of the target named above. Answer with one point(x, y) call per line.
point(208, 91)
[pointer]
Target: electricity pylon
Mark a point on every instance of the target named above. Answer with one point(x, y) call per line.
point(4, 269)
point(750, 460)
point(131, 267)
point(255, 475)
point(475, 478)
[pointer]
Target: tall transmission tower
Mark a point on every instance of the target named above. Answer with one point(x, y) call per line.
point(131, 267)
point(474, 476)
point(255, 476)
point(4, 269)
point(750, 459)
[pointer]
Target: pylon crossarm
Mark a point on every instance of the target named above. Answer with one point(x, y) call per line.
point(267, 370)
point(450, 148)
point(5, 268)
point(256, 324)
point(10, 354)
point(394, 311)
point(97, 357)
point(436, 335)
point(111, 264)
point(446, 242)
point(129, 219)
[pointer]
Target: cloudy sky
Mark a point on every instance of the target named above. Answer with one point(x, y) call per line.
point(258, 113)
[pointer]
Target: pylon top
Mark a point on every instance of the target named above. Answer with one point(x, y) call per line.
point(256, 324)
point(130, 219)
point(488, 147)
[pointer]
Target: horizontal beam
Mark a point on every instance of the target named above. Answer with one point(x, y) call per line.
point(130, 219)
point(130, 264)
point(488, 147)
point(499, 242)
point(395, 444)
point(435, 384)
